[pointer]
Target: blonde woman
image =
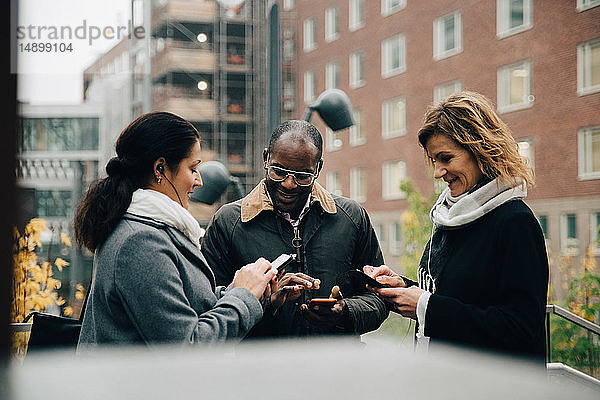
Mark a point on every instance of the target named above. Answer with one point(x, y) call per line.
point(483, 276)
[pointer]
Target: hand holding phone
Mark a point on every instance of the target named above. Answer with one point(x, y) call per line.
point(359, 278)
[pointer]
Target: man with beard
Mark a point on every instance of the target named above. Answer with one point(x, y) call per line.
point(288, 212)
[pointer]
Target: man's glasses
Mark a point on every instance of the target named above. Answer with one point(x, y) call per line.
point(279, 174)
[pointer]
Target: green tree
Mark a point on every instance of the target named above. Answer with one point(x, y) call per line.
point(416, 227)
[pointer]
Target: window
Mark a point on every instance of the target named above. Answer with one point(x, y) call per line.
point(514, 87)
point(54, 203)
point(512, 16)
point(526, 151)
point(333, 140)
point(310, 34)
point(357, 132)
point(588, 67)
point(310, 89)
point(393, 174)
point(595, 232)
point(289, 4)
point(394, 117)
point(357, 69)
point(447, 36)
point(356, 14)
point(358, 184)
point(334, 183)
point(380, 233)
point(396, 238)
point(443, 90)
point(589, 153)
point(391, 6)
point(543, 219)
point(568, 234)
point(60, 134)
point(332, 29)
point(393, 56)
point(583, 5)
point(332, 75)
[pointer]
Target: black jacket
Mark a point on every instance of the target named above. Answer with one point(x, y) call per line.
point(492, 282)
point(337, 236)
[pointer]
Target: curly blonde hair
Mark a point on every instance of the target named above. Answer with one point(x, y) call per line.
point(469, 119)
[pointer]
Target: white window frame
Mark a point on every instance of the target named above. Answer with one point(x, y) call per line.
point(332, 75)
point(584, 67)
point(333, 141)
point(289, 4)
point(357, 191)
point(439, 52)
point(503, 18)
point(504, 83)
point(388, 8)
point(568, 245)
point(585, 153)
point(583, 5)
point(386, 130)
point(332, 24)
point(357, 134)
point(395, 241)
point(310, 34)
point(334, 184)
point(527, 151)
point(310, 89)
point(387, 46)
point(594, 235)
point(391, 190)
point(356, 14)
point(357, 69)
point(443, 90)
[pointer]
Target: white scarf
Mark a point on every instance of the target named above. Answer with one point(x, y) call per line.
point(453, 212)
point(160, 207)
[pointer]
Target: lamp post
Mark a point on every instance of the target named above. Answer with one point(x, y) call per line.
point(333, 106)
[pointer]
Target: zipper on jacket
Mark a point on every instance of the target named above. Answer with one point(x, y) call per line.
point(297, 244)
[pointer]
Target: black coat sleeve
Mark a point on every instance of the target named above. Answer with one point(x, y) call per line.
point(515, 322)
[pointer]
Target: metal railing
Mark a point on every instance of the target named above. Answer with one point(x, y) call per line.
point(560, 368)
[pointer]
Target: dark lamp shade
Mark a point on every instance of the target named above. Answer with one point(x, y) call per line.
point(334, 108)
point(215, 180)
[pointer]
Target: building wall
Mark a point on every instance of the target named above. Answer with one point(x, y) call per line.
point(551, 122)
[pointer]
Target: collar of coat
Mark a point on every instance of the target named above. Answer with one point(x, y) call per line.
point(257, 201)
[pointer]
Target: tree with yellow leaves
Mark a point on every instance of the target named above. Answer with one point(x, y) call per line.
point(34, 285)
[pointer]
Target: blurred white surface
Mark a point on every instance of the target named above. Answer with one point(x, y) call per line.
point(323, 369)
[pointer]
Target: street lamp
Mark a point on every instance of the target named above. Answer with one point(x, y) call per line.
point(216, 179)
point(334, 107)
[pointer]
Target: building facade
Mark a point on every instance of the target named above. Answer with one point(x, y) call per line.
point(60, 148)
point(538, 61)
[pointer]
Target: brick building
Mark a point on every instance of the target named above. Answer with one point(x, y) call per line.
point(538, 61)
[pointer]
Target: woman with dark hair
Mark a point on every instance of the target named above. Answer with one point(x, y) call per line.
point(483, 277)
point(151, 283)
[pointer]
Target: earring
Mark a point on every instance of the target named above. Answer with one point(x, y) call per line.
point(158, 179)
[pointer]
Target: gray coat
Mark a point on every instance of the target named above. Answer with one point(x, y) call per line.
point(152, 285)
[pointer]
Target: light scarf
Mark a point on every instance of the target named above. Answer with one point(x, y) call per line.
point(453, 212)
point(160, 207)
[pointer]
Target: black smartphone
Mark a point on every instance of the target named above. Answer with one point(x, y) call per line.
point(359, 278)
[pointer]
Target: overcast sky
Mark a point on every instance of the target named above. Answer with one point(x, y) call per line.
point(55, 77)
